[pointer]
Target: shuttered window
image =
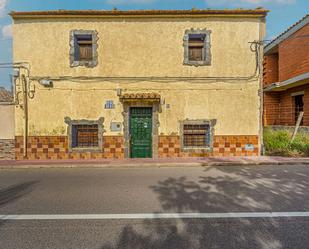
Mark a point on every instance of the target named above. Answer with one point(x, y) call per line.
point(85, 136)
point(196, 135)
point(196, 47)
point(83, 50)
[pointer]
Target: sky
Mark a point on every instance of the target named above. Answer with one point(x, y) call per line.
point(283, 13)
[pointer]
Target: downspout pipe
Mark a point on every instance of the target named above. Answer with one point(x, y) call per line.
point(261, 92)
point(261, 87)
point(25, 100)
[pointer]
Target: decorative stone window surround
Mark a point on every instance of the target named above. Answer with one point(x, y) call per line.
point(98, 122)
point(210, 122)
point(95, 38)
point(206, 48)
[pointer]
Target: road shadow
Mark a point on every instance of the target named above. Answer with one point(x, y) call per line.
point(166, 234)
point(14, 192)
point(224, 189)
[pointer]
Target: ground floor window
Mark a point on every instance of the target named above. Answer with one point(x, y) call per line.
point(196, 133)
point(299, 106)
point(85, 136)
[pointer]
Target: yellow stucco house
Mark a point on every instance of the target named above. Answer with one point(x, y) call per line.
point(142, 83)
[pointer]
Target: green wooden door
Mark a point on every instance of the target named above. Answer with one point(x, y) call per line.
point(141, 132)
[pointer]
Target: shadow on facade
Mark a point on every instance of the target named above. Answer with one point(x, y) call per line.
point(221, 189)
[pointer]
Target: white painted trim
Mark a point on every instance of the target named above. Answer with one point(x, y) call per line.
point(297, 93)
point(288, 82)
point(153, 216)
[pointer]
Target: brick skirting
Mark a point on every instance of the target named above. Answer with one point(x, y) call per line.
point(7, 151)
point(169, 146)
point(56, 147)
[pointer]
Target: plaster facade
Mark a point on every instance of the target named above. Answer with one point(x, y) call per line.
point(141, 55)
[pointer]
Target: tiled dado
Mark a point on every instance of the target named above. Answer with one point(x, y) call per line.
point(56, 147)
point(169, 146)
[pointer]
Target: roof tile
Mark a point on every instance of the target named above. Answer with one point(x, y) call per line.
point(257, 11)
point(140, 96)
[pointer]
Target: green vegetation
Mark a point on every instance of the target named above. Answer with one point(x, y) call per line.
point(277, 143)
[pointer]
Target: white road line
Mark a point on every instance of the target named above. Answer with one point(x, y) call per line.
point(152, 216)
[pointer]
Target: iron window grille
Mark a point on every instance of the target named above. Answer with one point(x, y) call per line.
point(85, 136)
point(197, 134)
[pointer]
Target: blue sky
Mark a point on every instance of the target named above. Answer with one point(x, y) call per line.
point(283, 13)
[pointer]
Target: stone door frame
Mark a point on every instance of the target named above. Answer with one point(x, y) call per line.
point(127, 104)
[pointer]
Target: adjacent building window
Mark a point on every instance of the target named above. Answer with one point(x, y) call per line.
point(197, 133)
point(299, 106)
point(83, 50)
point(85, 134)
point(197, 47)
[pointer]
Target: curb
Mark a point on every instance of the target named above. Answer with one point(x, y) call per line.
point(150, 165)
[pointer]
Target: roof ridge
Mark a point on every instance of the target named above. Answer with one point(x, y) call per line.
point(287, 30)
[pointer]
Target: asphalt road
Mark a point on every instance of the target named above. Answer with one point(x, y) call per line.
point(155, 190)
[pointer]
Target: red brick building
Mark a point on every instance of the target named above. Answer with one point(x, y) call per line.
point(286, 76)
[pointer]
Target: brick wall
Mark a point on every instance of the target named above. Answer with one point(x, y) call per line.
point(294, 55)
point(287, 106)
point(279, 107)
point(271, 108)
point(270, 69)
point(169, 146)
point(7, 149)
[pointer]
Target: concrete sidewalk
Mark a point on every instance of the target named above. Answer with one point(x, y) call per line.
point(162, 162)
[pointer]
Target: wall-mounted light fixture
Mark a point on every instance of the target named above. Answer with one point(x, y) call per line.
point(46, 82)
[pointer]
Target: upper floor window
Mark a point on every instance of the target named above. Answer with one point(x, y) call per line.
point(83, 50)
point(197, 47)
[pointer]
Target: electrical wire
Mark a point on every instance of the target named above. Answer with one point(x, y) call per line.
point(142, 89)
point(254, 47)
